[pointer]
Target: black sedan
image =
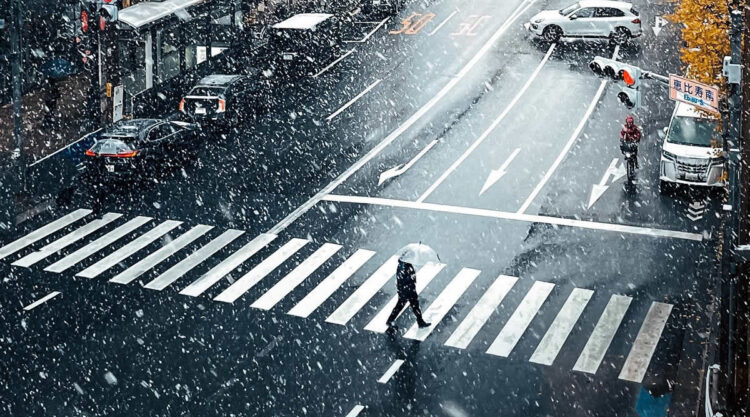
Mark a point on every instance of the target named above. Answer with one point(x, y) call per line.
point(224, 99)
point(139, 146)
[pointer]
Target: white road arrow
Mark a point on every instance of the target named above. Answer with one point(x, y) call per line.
point(659, 22)
point(400, 169)
point(496, 174)
point(616, 172)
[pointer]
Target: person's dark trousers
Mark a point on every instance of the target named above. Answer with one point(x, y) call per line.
point(413, 300)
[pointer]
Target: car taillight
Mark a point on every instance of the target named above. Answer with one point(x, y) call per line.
point(89, 152)
point(123, 154)
point(182, 105)
point(222, 106)
point(637, 21)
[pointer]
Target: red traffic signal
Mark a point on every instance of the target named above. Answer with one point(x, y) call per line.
point(628, 78)
point(84, 21)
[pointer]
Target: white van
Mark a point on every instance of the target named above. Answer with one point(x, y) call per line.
point(692, 151)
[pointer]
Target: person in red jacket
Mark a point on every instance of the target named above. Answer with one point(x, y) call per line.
point(631, 133)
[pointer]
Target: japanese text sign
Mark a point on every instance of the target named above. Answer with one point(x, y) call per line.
point(692, 92)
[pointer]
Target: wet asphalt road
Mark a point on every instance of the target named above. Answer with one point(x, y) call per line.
point(433, 92)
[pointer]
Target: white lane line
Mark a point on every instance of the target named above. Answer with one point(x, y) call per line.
point(424, 276)
point(293, 279)
point(443, 303)
point(268, 265)
point(364, 293)
point(391, 371)
point(504, 215)
point(328, 286)
point(42, 232)
point(66, 240)
point(356, 410)
point(197, 287)
point(354, 100)
point(400, 169)
point(141, 267)
point(491, 128)
point(97, 245)
point(558, 332)
point(64, 147)
point(478, 316)
point(341, 58)
point(511, 333)
point(194, 259)
point(372, 32)
point(645, 343)
point(126, 251)
point(440, 26)
point(569, 144)
point(600, 339)
point(301, 210)
point(42, 300)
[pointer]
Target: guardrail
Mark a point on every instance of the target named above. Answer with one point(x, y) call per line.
point(713, 407)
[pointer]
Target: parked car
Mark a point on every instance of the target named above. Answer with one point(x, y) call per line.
point(305, 42)
point(692, 150)
point(223, 98)
point(139, 146)
point(616, 20)
point(381, 7)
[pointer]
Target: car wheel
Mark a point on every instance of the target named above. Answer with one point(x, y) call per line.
point(552, 33)
point(621, 36)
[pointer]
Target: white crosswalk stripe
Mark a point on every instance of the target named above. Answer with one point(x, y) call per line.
point(424, 276)
point(443, 303)
point(478, 316)
point(97, 245)
point(558, 332)
point(600, 339)
point(325, 289)
point(42, 232)
point(645, 343)
point(520, 320)
point(480, 312)
point(287, 284)
point(364, 293)
point(194, 259)
point(268, 265)
point(227, 265)
point(67, 240)
point(144, 265)
point(131, 248)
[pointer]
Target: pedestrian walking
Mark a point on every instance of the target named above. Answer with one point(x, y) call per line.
point(406, 285)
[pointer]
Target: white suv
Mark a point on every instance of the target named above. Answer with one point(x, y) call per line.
point(615, 20)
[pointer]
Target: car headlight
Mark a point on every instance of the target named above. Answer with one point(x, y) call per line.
point(540, 20)
point(669, 155)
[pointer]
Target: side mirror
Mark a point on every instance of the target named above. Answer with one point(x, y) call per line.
point(662, 133)
point(573, 17)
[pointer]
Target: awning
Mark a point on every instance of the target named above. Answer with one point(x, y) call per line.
point(147, 12)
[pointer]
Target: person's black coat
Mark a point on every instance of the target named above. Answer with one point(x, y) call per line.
point(406, 279)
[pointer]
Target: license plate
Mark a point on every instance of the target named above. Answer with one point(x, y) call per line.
point(690, 177)
point(200, 110)
point(288, 57)
point(110, 168)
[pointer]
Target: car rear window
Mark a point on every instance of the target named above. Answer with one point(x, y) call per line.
point(207, 91)
point(635, 11)
point(111, 147)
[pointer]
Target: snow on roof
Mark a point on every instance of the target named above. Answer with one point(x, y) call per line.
point(688, 110)
point(217, 79)
point(305, 21)
point(146, 12)
point(606, 3)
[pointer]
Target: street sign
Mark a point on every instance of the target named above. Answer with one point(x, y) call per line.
point(117, 103)
point(692, 92)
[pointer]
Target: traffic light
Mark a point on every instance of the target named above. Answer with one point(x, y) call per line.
point(630, 93)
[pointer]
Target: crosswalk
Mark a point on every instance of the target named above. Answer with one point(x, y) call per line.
point(130, 251)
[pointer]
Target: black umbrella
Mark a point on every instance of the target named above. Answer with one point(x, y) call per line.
point(58, 68)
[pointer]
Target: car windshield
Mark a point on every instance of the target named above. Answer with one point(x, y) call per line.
point(570, 9)
point(108, 146)
point(207, 91)
point(693, 131)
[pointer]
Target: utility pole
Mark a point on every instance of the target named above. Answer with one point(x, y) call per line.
point(16, 20)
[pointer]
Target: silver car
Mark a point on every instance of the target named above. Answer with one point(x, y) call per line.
point(615, 20)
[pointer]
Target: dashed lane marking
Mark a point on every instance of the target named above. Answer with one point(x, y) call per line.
point(41, 301)
point(333, 64)
point(354, 100)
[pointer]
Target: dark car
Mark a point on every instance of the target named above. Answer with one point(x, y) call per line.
point(139, 146)
point(305, 42)
point(223, 98)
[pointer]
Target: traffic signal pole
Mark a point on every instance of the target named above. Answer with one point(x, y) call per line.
point(15, 35)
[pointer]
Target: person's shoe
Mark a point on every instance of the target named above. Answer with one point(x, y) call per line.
point(423, 324)
point(392, 328)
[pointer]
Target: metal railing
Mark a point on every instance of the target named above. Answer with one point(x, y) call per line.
point(711, 388)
